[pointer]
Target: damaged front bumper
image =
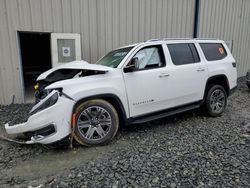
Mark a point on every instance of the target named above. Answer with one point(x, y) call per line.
point(49, 121)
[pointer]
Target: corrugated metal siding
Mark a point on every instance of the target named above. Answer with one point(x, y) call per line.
point(103, 25)
point(10, 69)
point(228, 20)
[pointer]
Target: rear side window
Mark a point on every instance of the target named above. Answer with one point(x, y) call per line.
point(183, 53)
point(213, 51)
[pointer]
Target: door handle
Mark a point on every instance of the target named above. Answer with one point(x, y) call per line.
point(201, 69)
point(164, 75)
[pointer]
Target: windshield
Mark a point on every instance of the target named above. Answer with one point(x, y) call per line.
point(114, 58)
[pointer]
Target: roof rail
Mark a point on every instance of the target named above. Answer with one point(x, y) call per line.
point(206, 39)
point(162, 39)
point(177, 38)
point(152, 40)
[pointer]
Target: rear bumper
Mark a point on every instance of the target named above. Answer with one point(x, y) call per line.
point(49, 125)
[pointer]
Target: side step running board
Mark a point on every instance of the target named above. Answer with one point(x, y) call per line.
point(164, 114)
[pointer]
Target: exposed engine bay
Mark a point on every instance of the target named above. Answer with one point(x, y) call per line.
point(58, 75)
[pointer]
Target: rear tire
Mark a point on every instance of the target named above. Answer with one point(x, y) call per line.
point(97, 122)
point(216, 100)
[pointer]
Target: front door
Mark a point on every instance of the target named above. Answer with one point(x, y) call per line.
point(146, 86)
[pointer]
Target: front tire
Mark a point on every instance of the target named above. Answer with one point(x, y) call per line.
point(216, 100)
point(97, 122)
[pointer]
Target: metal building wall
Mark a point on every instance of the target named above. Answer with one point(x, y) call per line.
point(228, 20)
point(103, 25)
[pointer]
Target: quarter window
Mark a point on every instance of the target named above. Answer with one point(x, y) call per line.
point(213, 51)
point(183, 53)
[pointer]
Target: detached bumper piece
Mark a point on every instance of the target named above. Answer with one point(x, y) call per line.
point(49, 120)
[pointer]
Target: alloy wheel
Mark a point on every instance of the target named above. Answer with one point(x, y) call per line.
point(94, 123)
point(217, 100)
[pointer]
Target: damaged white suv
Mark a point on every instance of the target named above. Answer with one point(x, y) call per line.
point(132, 84)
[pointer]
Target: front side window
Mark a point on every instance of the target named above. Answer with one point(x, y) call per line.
point(213, 51)
point(150, 57)
point(183, 53)
point(114, 58)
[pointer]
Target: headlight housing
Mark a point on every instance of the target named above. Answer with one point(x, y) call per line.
point(52, 98)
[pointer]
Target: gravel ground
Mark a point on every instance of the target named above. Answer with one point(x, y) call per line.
point(187, 150)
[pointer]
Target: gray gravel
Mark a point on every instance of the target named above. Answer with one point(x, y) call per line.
point(187, 150)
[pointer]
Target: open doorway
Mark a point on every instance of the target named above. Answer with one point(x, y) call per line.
point(36, 58)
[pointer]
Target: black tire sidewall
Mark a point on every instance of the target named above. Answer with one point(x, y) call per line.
point(114, 118)
point(209, 110)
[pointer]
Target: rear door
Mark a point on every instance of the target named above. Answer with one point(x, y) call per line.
point(188, 73)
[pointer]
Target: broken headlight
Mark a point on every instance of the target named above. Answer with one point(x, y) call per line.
point(59, 90)
point(47, 103)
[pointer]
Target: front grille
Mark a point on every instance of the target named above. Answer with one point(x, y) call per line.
point(46, 131)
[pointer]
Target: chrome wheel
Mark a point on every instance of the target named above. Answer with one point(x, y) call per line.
point(217, 101)
point(94, 123)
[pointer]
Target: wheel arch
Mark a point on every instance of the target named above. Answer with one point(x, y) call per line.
point(112, 99)
point(220, 80)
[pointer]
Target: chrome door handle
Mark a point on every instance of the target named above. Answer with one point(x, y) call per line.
point(164, 75)
point(200, 69)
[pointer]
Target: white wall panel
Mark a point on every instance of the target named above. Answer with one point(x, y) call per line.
point(3, 53)
point(67, 16)
point(12, 77)
point(36, 15)
point(24, 15)
point(46, 13)
point(57, 16)
point(228, 20)
point(103, 25)
point(108, 24)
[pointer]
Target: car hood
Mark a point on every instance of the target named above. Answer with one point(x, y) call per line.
point(75, 65)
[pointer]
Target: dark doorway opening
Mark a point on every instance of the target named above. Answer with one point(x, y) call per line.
point(36, 58)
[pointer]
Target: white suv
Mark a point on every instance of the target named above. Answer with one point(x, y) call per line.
point(132, 84)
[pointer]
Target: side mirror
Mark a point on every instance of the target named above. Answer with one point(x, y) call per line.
point(133, 65)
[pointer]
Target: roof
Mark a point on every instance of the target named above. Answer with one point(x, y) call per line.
point(184, 40)
point(173, 40)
